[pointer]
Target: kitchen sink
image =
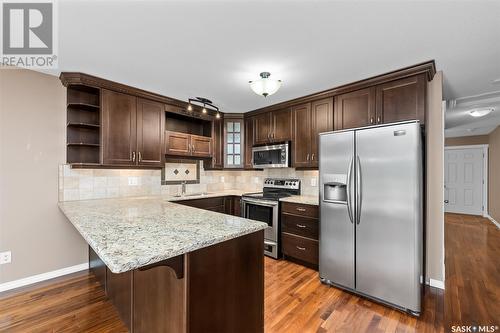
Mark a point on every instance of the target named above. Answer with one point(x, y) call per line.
point(191, 195)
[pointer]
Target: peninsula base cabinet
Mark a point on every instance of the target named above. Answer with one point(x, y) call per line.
point(206, 290)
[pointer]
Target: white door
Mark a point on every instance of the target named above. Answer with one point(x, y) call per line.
point(463, 180)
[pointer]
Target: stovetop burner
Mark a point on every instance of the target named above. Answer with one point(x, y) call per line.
point(274, 189)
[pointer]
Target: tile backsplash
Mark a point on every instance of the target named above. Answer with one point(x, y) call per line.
point(81, 184)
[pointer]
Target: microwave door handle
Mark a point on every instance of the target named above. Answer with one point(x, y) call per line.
point(348, 190)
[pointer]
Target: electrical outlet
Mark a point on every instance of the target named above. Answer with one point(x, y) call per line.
point(5, 257)
point(133, 181)
point(222, 179)
point(314, 182)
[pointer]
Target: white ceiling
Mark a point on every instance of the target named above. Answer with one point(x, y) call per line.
point(212, 49)
point(460, 123)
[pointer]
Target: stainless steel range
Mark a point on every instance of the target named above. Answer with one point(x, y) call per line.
point(264, 206)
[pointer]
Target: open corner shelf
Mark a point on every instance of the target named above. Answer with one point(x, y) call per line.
point(83, 125)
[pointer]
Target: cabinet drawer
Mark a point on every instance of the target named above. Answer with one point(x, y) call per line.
point(300, 248)
point(298, 225)
point(300, 209)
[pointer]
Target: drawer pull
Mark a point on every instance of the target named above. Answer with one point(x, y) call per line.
point(300, 248)
point(300, 209)
point(301, 226)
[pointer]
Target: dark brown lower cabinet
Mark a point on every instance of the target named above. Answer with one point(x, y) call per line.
point(227, 204)
point(225, 283)
point(300, 233)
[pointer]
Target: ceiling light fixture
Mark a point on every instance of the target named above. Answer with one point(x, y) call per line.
point(265, 86)
point(205, 103)
point(480, 112)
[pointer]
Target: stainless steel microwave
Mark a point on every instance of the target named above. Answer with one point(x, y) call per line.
point(275, 156)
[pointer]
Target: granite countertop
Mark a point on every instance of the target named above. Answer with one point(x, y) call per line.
point(302, 199)
point(130, 233)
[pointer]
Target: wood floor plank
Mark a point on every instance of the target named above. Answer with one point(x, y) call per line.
point(295, 300)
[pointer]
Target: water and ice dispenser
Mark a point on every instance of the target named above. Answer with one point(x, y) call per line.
point(335, 187)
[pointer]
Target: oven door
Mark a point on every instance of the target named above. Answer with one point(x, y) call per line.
point(275, 156)
point(267, 212)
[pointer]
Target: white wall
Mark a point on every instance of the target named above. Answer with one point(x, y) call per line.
point(435, 180)
point(32, 145)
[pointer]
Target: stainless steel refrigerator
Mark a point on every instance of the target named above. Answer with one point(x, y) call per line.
point(371, 212)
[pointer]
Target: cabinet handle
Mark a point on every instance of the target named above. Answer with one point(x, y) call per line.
point(379, 120)
point(312, 157)
point(307, 157)
point(300, 248)
point(273, 135)
point(133, 156)
point(192, 148)
point(300, 209)
point(301, 226)
point(140, 157)
point(372, 120)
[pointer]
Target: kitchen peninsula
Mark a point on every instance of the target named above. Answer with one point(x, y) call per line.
point(171, 268)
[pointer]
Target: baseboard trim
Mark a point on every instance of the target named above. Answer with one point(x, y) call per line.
point(42, 277)
point(493, 220)
point(436, 283)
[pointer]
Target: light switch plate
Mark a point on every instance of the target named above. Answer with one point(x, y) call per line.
point(5, 257)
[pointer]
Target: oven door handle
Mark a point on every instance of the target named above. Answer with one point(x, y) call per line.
point(260, 203)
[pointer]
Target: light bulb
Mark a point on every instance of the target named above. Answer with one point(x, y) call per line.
point(190, 107)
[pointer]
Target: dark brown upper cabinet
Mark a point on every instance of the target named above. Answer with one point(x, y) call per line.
point(262, 128)
point(217, 161)
point(309, 120)
point(183, 144)
point(401, 100)
point(132, 130)
point(321, 121)
point(201, 146)
point(355, 109)
point(150, 128)
point(119, 128)
point(281, 125)
point(301, 140)
point(275, 126)
point(177, 143)
point(248, 141)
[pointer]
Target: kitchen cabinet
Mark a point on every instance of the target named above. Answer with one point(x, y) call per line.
point(401, 100)
point(218, 144)
point(132, 130)
point(183, 144)
point(119, 128)
point(321, 121)
point(248, 141)
point(262, 128)
point(309, 120)
point(301, 140)
point(150, 128)
point(281, 129)
point(201, 146)
point(275, 126)
point(229, 205)
point(393, 101)
point(355, 109)
point(300, 233)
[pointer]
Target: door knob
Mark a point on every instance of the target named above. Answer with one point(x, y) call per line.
point(447, 201)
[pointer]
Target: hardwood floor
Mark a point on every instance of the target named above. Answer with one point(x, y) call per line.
point(472, 271)
point(295, 300)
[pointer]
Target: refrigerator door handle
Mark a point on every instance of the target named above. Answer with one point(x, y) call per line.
point(348, 190)
point(359, 194)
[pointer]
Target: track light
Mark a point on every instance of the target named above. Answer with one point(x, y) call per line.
point(204, 110)
point(217, 115)
point(199, 101)
point(190, 107)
